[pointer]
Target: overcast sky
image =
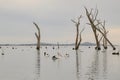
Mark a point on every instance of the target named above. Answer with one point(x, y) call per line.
point(54, 19)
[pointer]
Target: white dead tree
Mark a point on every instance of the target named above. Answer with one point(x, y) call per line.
point(78, 34)
point(92, 17)
point(37, 36)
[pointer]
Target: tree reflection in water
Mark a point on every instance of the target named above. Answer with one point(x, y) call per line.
point(37, 67)
point(105, 64)
point(98, 68)
point(78, 65)
point(94, 68)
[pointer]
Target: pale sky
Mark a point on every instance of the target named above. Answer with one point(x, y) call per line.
point(54, 19)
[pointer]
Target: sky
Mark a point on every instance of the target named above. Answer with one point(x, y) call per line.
point(54, 19)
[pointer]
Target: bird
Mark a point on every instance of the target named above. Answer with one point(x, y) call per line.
point(53, 47)
point(67, 55)
point(54, 57)
point(2, 53)
point(44, 53)
point(12, 47)
point(73, 48)
point(115, 53)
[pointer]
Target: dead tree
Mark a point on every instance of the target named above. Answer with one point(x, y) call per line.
point(104, 41)
point(37, 36)
point(105, 33)
point(78, 34)
point(96, 27)
point(106, 38)
point(92, 19)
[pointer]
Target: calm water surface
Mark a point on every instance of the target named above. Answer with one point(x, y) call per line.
point(26, 63)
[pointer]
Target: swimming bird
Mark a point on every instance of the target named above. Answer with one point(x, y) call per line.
point(67, 55)
point(44, 53)
point(115, 53)
point(54, 57)
point(12, 47)
point(53, 47)
point(73, 48)
point(2, 53)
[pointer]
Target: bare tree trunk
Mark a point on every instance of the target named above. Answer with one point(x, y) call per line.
point(76, 42)
point(80, 40)
point(92, 19)
point(105, 42)
point(37, 36)
point(97, 42)
point(105, 33)
point(106, 39)
point(78, 35)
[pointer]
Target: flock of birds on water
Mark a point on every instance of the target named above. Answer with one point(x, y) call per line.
point(55, 57)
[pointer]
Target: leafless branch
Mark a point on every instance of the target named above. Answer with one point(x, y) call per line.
point(37, 36)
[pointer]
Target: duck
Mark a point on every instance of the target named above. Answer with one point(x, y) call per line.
point(2, 53)
point(44, 53)
point(53, 47)
point(67, 55)
point(73, 48)
point(115, 53)
point(12, 47)
point(54, 57)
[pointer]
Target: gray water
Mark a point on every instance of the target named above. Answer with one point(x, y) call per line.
point(26, 63)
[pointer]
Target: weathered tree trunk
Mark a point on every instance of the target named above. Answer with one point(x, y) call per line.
point(106, 39)
point(37, 36)
point(105, 42)
point(78, 34)
point(80, 40)
point(76, 42)
point(92, 19)
point(105, 33)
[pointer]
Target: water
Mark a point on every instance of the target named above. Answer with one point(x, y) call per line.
point(26, 63)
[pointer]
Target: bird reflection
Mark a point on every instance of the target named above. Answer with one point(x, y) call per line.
point(37, 77)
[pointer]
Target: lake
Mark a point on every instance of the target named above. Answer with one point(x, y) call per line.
point(26, 63)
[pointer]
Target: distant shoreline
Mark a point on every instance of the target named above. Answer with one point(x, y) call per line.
point(52, 44)
point(49, 44)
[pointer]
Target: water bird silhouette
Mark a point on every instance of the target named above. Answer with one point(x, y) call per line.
point(54, 57)
point(2, 53)
point(115, 53)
